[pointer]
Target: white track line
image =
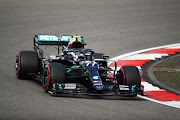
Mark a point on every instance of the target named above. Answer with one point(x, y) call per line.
point(175, 104)
point(145, 50)
point(144, 56)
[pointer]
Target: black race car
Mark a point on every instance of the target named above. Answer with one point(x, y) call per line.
point(76, 70)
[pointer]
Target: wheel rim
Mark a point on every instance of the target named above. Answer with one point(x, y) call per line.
point(121, 76)
point(45, 81)
point(17, 65)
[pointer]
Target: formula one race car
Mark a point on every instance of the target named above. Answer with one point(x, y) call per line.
point(76, 70)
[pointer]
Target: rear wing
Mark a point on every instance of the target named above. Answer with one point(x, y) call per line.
point(55, 40)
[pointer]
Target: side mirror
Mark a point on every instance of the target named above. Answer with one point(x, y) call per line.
point(105, 56)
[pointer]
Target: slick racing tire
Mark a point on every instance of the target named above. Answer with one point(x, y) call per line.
point(26, 62)
point(53, 73)
point(129, 75)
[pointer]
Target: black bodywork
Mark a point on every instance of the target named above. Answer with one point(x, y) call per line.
point(85, 73)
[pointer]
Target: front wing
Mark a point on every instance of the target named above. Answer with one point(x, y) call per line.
point(76, 88)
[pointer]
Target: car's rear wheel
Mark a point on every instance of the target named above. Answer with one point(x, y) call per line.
point(53, 73)
point(26, 62)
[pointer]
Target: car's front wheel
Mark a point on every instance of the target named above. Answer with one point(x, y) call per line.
point(129, 75)
point(53, 73)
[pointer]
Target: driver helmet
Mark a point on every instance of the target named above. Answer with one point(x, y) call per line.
point(75, 44)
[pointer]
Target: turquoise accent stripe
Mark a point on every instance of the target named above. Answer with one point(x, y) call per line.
point(132, 88)
point(75, 66)
point(60, 87)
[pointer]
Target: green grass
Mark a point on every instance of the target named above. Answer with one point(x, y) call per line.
point(173, 63)
point(171, 79)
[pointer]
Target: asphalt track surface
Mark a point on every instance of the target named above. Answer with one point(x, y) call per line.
point(113, 27)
